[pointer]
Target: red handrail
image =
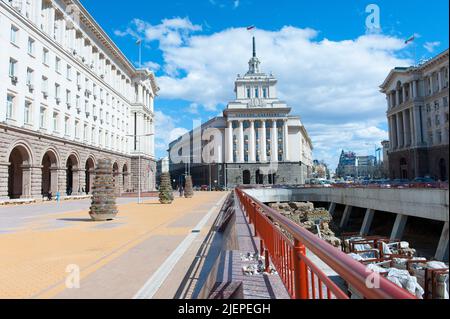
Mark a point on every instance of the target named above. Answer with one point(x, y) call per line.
point(290, 260)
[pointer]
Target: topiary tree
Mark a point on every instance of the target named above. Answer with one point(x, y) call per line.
point(103, 205)
point(165, 189)
point(188, 189)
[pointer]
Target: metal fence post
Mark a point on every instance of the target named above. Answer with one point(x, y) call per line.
point(300, 271)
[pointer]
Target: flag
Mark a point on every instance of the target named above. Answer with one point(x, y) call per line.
point(250, 28)
point(410, 39)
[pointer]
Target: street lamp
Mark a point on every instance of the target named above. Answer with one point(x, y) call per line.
point(138, 137)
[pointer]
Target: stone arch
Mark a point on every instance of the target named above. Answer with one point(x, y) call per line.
point(125, 177)
point(19, 171)
point(116, 177)
point(89, 174)
point(50, 163)
point(72, 174)
point(246, 177)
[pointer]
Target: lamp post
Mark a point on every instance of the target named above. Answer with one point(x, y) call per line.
point(138, 137)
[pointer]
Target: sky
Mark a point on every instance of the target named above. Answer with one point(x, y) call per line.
point(329, 62)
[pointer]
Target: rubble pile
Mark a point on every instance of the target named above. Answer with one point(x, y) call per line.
point(398, 262)
point(316, 220)
point(257, 265)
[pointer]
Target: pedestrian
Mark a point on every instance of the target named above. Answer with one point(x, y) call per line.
point(181, 191)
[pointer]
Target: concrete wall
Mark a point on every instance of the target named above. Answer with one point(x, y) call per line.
point(425, 203)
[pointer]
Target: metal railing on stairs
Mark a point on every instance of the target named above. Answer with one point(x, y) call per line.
point(302, 278)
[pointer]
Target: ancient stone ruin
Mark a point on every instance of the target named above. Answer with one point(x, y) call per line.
point(316, 220)
point(165, 189)
point(103, 205)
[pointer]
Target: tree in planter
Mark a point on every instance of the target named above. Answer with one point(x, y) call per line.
point(103, 205)
point(188, 189)
point(165, 189)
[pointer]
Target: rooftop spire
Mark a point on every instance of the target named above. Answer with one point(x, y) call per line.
point(254, 62)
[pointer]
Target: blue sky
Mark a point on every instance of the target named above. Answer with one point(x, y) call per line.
point(328, 65)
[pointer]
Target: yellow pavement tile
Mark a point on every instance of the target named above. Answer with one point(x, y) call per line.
point(33, 261)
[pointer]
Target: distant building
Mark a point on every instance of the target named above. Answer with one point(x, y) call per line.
point(320, 170)
point(418, 118)
point(256, 141)
point(352, 165)
point(347, 165)
point(385, 163)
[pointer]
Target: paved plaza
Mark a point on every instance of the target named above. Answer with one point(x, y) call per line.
point(144, 253)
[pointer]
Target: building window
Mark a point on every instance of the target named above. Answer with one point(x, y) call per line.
point(256, 93)
point(57, 93)
point(438, 120)
point(55, 122)
point(45, 55)
point(265, 93)
point(66, 126)
point(27, 113)
point(12, 68)
point(14, 36)
point(31, 46)
point(77, 130)
point(30, 73)
point(69, 73)
point(45, 86)
point(92, 135)
point(439, 137)
point(58, 65)
point(249, 93)
point(68, 96)
point(10, 106)
point(85, 132)
point(42, 117)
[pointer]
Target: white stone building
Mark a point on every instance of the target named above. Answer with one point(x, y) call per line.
point(70, 97)
point(260, 142)
point(418, 118)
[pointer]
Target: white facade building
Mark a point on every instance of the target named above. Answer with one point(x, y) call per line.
point(418, 118)
point(70, 97)
point(262, 142)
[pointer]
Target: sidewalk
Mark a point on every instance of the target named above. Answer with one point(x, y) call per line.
point(116, 258)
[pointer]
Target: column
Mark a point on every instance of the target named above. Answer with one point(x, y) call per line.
point(346, 216)
point(391, 133)
point(439, 81)
point(399, 125)
point(230, 149)
point(286, 141)
point(411, 127)
point(368, 218)
point(392, 99)
point(241, 141)
point(404, 93)
point(399, 227)
point(415, 91)
point(252, 143)
point(405, 129)
point(417, 125)
point(274, 147)
point(442, 250)
point(394, 132)
point(263, 142)
point(397, 97)
point(38, 12)
point(51, 25)
point(332, 208)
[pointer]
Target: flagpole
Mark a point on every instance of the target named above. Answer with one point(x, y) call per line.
point(140, 54)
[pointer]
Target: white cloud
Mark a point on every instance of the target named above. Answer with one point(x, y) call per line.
point(166, 131)
point(431, 46)
point(333, 85)
point(236, 4)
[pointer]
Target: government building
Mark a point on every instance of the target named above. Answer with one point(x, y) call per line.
point(418, 117)
point(256, 141)
point(70, 97)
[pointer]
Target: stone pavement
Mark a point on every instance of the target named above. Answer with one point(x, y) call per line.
point(116, 259)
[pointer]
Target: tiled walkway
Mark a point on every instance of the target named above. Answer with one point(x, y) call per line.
point(115, 258)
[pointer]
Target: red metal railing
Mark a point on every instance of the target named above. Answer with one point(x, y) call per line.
point(302, 278)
